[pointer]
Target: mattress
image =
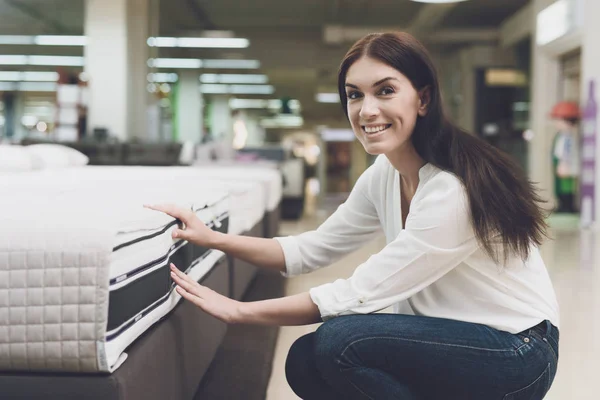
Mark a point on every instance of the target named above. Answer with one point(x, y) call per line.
point(84, 270)
point(269, 178)
point(248, 196)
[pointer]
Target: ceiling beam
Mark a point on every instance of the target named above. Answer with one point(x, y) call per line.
point(36, 13)
point(339, 34)
point(429, 17)
point(517, 27)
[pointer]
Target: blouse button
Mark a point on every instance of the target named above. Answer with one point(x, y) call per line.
point(526, 340)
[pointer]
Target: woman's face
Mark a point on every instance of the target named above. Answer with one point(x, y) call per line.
point(383, 106)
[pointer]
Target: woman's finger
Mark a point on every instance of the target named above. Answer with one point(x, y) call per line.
point(183, 276)
point(170, 209)
point(184, 284)
point(190, 296)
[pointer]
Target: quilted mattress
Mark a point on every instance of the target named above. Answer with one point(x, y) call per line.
point(84, 270)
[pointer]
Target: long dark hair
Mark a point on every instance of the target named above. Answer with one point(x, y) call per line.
point(503, 202)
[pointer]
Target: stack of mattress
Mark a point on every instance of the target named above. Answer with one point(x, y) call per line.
point(84, 271)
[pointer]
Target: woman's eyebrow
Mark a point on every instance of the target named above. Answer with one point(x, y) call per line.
point(379, 82)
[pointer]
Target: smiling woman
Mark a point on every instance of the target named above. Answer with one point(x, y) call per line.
point(474, 311)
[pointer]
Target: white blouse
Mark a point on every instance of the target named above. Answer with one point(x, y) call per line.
point(433, 266)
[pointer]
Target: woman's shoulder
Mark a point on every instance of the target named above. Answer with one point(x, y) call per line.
point(441, 187)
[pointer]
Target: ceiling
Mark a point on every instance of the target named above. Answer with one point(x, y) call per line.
point(299, 43)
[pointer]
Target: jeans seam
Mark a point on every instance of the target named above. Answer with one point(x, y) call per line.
point(546, 370)
point(342, 370)
point(427, 342)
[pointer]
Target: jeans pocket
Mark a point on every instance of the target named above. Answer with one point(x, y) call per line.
point(535, 390)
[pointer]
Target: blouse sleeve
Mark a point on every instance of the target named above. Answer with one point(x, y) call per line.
point(350, 226)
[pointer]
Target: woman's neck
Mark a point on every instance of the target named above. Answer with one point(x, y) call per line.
point(408, 163)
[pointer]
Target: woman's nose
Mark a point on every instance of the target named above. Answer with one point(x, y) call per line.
point(369, 108)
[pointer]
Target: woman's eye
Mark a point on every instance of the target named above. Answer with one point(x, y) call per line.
point(386, 90)
point(353, 95)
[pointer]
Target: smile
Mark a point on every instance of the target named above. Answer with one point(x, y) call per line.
point(371, 130)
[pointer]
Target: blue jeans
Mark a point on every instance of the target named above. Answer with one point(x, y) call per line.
point(392, 356)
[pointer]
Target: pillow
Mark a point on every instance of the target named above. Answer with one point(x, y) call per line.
point(17, 159)
point(57, 155)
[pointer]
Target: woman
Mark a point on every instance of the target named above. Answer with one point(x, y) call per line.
point(475, 314)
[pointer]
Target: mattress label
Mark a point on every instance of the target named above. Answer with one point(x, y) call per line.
point(101, 355)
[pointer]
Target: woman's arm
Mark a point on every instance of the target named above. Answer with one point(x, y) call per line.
point(354, 223)
point(291, 310)
point(265, 253)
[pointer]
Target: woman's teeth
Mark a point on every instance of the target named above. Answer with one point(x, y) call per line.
point(376, 129)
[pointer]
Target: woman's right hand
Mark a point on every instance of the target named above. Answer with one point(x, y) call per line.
point(194, 230)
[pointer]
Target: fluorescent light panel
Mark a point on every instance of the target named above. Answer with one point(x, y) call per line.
point(236, 89)
point(60, 40)
point(237, 104)
point(232, 64)
point(65, 61)
point(234, 78)
point(282, 121)
point(328, 97)
point(177, 63)
point(31, 76)
point(28, 86)
point(16, 39)
point(163, 77)
point(195, 42)
point(71, 40)
point(191, 63)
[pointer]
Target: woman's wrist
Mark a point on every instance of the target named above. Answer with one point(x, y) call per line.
point(216, 240)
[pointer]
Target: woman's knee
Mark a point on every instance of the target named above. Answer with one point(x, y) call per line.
point(300, 362)
point(331, 340)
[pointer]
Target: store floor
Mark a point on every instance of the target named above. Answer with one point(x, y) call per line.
point(573, 259)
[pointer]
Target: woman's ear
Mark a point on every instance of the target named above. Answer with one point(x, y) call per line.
point(424, 100)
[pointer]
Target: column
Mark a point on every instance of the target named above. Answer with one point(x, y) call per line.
point(221, 119)
point(116, 57)
point(188, 113)
point(544, 94)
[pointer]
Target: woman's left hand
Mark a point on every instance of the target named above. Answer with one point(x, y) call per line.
point(215, 304)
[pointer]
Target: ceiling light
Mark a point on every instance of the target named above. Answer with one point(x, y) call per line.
point(60, 40)
point(234, 78)
point(175, 63)
point(28, 86)
point(14, 39)
point(232, 64)
point(282, 121)
point(199, 42)
point(31, 76)
point(327, 97)
point(236, 89)
point(13, 60)
point(163, 77)
point(65, 61)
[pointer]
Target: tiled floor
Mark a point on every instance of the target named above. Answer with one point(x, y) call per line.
point(573, 259)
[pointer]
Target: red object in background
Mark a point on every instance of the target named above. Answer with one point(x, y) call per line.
point(566, 110)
